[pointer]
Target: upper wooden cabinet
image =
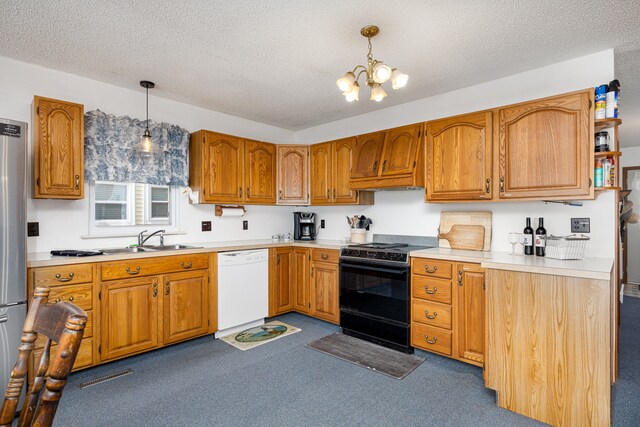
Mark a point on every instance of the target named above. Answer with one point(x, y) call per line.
point(330, 167)
point(229, 169)
point(389, 159)
point(58, 149)
point(293, 174)
point(459, 158)
point(546, 147)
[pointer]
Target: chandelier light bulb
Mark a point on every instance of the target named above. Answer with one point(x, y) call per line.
point(381, 72)
point(345, 83)
point(398, 79)
point(377, 93)
point(353, 94)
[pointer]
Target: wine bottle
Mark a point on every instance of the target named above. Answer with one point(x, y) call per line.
point(528, 238)
point(541, 235)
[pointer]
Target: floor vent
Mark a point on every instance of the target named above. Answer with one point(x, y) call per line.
point(105, 378)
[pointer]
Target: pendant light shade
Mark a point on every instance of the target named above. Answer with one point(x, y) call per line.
point(146, 144)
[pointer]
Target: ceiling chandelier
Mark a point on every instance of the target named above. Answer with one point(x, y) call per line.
point(376, 72)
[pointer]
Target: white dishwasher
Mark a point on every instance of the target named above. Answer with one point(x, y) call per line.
point(243, 290)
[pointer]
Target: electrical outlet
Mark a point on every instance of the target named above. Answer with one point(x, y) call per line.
point(245, 225)
point(322, 223)
point(206, 225)
point(33, 229)
point(580, 225)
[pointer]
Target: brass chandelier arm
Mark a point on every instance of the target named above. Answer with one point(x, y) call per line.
point(360, 73)
point(358, 66)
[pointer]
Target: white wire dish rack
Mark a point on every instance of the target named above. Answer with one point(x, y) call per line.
point(566, 247)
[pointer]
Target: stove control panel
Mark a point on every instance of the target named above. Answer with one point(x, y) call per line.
point(401, 257)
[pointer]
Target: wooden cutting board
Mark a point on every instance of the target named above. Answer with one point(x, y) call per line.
point(464, 236)
point(449, 219)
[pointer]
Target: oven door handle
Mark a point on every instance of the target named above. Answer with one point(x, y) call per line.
point(400, 271)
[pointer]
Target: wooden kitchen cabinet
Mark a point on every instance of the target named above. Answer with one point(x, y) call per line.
point(300, 277)
point(471, 312)
point(324, 287)
point(58, 133)
point(546, 148)
point(280, 281)
point(330, 168)
point(186, 308)
point(293, 174)
point(129, 319)
point(400, 151)
point(229, 169)
point(368, 152)
point(459, 158)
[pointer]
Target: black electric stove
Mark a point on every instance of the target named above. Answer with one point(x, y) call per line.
point(374, 293)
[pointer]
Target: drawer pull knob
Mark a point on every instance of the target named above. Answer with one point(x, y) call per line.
point(324, 257)
point(433, 341)
point(133, 272)
point(186, 266)
point(426, 268)
point(435, 314)
point(64, 279)
point(56, 300)
point(71, 299)
point(429, 291)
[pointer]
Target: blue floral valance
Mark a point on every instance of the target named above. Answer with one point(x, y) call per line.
point(112, 151)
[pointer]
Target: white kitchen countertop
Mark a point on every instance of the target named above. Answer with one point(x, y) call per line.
point(588, 268)
point(45, 259)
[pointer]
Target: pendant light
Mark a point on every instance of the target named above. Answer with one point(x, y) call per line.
point(146, 145)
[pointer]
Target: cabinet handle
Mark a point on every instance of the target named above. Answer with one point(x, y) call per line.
point(459, 277)
point(77, 182)
point(167, 288)
point(375, 166)
point(334, 193)
point(312, 268)
point(502, 184)
point(328, 193)
point(64, 279)
point(487, 186)
point(384, 165)
point(248, 192)
point(429, 291)
point(71, 298)
point(56, 300)
point(186, 266)
point(435, 314)
point(136, 271)
point(435, 339)
point(38, 182)
point(278, 259)
point(324, 257)
point(155, 289)
point(280, 194)
point(426, 268)
point(239, 191)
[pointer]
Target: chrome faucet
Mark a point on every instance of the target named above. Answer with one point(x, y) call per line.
point(142, 239)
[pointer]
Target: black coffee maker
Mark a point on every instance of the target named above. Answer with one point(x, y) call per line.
point(304, 226)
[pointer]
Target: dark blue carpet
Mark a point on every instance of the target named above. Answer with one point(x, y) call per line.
point(283, 383)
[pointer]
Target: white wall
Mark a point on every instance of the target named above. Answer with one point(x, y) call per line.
point(398, 212)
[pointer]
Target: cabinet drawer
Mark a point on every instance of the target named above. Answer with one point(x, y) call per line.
point(62, 275)
point(152, 266)
point(80, 295)
point(431, 267)
point(437, 290)
point(83, 359)
point(327, 255)
point(431, 313)
point(88, 331)
point(431, 339)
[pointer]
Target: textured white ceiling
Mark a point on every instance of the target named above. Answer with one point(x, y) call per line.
point(276, 61)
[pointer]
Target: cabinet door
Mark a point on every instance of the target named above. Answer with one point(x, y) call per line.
point(459, 158)
point(401, 150)
point(280, 289)
point(129, 317)
point(546, 147)
point(58, 149)
point(293, 174)
point(471, 306)
point(325, 291)
point(368, 152)
point(342, 163)
point(300, 280)
point(222, 171)
point(260, 172)
point(186, 305)
point(321, 174)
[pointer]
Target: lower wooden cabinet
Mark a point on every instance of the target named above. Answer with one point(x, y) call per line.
point(325, 289)
point(129, 320)
point(448, 311)
point(186, 305)
point(300, 279)
point(280, 281)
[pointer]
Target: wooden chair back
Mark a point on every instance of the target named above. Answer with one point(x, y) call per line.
point(62, 323)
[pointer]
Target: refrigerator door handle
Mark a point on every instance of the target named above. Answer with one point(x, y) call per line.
point(4, 318)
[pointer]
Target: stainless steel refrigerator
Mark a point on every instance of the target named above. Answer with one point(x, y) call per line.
point(13, 251)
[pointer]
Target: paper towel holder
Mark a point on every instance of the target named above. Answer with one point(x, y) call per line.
point(219, 208)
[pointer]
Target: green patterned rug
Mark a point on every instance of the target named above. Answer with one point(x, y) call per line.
point(259, 335)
